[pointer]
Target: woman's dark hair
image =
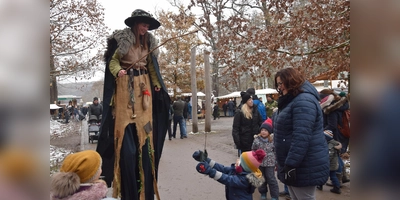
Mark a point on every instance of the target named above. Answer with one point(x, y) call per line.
point(291, 79)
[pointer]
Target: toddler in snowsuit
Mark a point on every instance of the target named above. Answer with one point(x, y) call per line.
point(240, 179)
point(264, 141)
point(334, 149)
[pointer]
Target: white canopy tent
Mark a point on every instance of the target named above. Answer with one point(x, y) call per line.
point(54, 107)
point(199, 94)
point(337, 85)
point(231, 95)
point(259, 93)
point(266, 91)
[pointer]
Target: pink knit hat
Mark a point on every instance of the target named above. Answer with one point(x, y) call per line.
point(251, 160)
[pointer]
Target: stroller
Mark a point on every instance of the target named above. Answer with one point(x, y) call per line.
point(94, 127)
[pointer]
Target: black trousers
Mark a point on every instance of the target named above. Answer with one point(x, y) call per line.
point(129, 161)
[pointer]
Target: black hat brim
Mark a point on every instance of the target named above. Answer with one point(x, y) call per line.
point(153, 23)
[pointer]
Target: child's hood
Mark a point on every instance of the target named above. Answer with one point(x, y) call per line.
point(255, 180)
point(67, 186)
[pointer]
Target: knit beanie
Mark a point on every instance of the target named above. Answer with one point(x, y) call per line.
point(267, 125)
point(245, 97)
point(251, 160)
point(95, 98)
point(251, 91)
point(85, 164)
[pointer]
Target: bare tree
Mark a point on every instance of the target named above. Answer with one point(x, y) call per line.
point(77, 39)
point(261, 37)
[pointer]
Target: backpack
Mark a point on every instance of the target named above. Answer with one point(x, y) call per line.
point(345, 127)
point(261, 109)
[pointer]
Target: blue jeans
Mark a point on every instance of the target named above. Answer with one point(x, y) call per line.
point(230, 113)
point(341, 164)
point(169, 129)
point(286, 189)
point(182, 125)
point(334, 178)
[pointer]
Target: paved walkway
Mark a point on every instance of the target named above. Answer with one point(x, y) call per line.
point(178, 178)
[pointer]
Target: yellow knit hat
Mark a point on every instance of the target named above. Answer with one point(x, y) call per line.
point(85, 164)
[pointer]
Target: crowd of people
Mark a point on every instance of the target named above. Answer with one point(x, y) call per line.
point(296, 136)
point(300, 139)
point(76, 112)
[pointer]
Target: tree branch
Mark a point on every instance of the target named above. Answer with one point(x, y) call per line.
point(75, 52)
point(322, 49)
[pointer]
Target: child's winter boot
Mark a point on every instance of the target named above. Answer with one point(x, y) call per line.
point(336, 190)
point(319, 187)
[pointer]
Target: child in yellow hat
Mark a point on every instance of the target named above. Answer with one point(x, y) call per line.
point(79, 178)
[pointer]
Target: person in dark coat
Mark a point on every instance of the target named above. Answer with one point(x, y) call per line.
point(333, 107)
point(95, 108)
point(225, 107)
point(215, 111)
point(170, 117)
point(135, 110)
point(301, 149)
point(231, 108)
point(257, 103)
point(246, 124)
point(179, 107)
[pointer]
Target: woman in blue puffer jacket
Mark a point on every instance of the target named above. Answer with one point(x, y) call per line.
point(301, 150)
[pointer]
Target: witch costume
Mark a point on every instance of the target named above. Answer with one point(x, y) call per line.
point(135, 114)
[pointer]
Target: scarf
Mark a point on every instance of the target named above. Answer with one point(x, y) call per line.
point(284, 100)
point(264, 139)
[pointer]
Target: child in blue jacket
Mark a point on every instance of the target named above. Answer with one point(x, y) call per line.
point(240, 179)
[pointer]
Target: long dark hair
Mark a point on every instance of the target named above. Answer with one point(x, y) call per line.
point(291, 79)
point(140, 40)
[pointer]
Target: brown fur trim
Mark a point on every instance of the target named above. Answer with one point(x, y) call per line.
point(64, 184)
point(335, 106)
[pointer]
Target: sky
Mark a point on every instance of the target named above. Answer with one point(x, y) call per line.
point(117, 11)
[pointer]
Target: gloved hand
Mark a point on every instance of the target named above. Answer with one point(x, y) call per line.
point(290, 175)
point(204, 168)
point(201, 156)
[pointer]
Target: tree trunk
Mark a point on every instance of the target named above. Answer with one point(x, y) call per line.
point(208, 112)
point(195, 128)
point(53, 83)
point(215, 79)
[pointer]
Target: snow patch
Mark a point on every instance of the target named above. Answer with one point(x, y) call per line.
point(59, 130)
point(57, 156)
